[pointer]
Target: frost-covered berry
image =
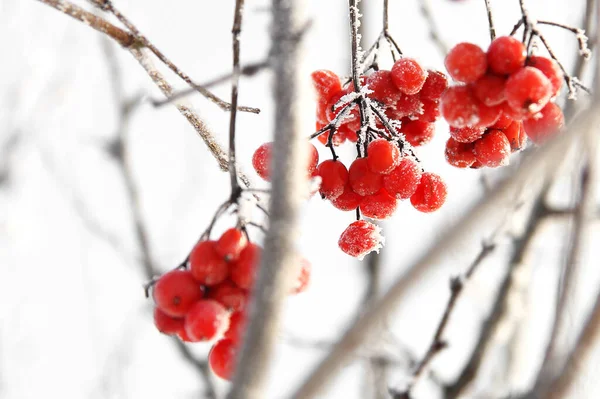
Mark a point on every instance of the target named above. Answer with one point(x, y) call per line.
point(229, 295)
point(402, 182)
point(489, 89)
point(361, 238)
point(459, 107)
point(506, 55)
point(435, 84)
point(544, 124)
point(176, 292)
point(206, 265)
point(206, 320)
point(244, 270)
point(459, 154)
point(167, 324)
point(261, 160)
point(493, 149)
point(515, 134)
point(222, 358)
point(466, 62)
point(362, 180)
point(380, 205)
point(348, 201)
point(466, 134)
point(383, 156)
point(383, 87)
point(528, 91)
point(334, 177)
point(550, 69)
point(430, 194)
point(408, 76)
point(417, 132)
point(326, 83)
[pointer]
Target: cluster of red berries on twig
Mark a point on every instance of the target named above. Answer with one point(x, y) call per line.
point(206, 298)
point(506, 96)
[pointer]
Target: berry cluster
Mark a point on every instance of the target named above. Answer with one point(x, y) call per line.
point(506, 96)
point(207, 300)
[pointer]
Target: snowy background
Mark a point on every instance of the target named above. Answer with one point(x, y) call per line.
point(74, 322)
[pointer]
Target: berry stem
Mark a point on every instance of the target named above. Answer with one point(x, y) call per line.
point(488, 7)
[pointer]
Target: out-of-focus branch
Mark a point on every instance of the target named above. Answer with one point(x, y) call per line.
point(434, 29)
point(539, 166)
point(279, 261)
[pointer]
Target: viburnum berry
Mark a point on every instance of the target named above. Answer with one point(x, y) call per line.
point(313, 158)
point(489, 89)
point(176, 292)
point(301, 283)
point(362, 180)
point(430, 194)
point(544, 124)
point(261, 160)
point(383, 156)
point(383, 88)
point(506, 55)
point(435, 84)
point(183, 335)
point(408, 76)
point(466, 134)
point(459, 106)
point(231, 243)
point(206, 320)
point(222, 358)
point(348, 201)
point(237, 326)
point(488, 115)
point(528, 91)
point(431, 111)
point(493, 149)
point(459, 154)
point(466, 62)
point(326, 83)
point(337, 139)
point(334, 177)
point(244, 270)
point(229, 295)
point(380, 205)
point(502, 123)
point(360, 238)
point(405, 106)
point(417, 132)
point(206, 265)
point(515, 134)
point(550, 69)
point(402, 182)
point(167, 324)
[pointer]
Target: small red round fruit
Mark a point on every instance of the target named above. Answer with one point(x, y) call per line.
point(435, 84)
point(489, 89)
point(176, 292)
point(408, 76)
point(488, 115)
point(206, 320)
point(503, 122)
point(459, 106)
point(382, 85)
point(230, 244)
point(493, 149)
point(380, 205)
point(229, 295)
point(334, 177)
point(261, 160)
point(383, 156)
point(515, 135)
point(466, 134)
point(237, 326)
point(459, 154)
point(528, 91)
point(222, 358)
point(337, 139)
point(466, 62)
point(403, 180)
point(431, 111)
point(550, 69)
point(360, 238)
point(362, 180)
point(506, 55)
point(243, 272)
point(182, 335)
point(348, 201)
point(405, 106)
point(544, 124)
point(313, 158)
point(167, 324)
point(430, 194)
point(326, 83)
point(417, 132)
point(206, 265)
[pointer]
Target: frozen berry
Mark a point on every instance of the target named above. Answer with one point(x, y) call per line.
point(489, 89)
point(206, 265)
point(231, 243)
point(430, 194)
point(405, 106)
point(417, 132)
point(229, 295)
point(403, 180)
point(334, 177)
point(222, 358)
point(348, 201)
point(528, 91)
point(503, 122)
point(206, 320)
point(466, 62)
point(245, 269)
point(435, 84)
point(515, 135)
point(459, 107)
point(380, 205)
point(176, 292)
point(431, 111)
point(544, 124)
point(493, 149)
point(459, 154)
point(237, 326)
point(326, 83)
point(408, 76)
point(360, 238)
point(466, 134)
point(382, 85)
point(362, 180)
point(550, 69)
point(506, 55)
point(261, 160)
point(167, 324)
point(383, 156)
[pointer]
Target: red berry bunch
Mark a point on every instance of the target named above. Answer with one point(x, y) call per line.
point(506, 96)
point(408, 93)
point(206, 301)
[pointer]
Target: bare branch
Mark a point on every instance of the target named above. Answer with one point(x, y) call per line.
point(434, 30)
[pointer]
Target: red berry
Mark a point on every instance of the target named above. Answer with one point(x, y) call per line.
point(431, 111)
point(229, 295)
point(459, 107)
point(185, 337)
point(403, 180)
point(349, 133)
point(244, 271)
point(322, 112)
point(383, 156)
point(206, 320)
point(362, 180)
point(528, 91)
point(506, 55)
point(489, 89)
point(515, 135)
point(176, 291)
point(261, 160)
point(382, 85)
point(237, 326)
point(334, 177)
point(431, 193)
point(303, 278)
point(380, 205)
point(550, 69)
point(206, 265)
point(326, 83)
point(231, 243)
point(493, 149)
point(459, 154)
point(435, 84)
point(167, 324)
point(222, 358)
point(313, 158)
point(417, 132)
point(466, 134)
point(466, 62)
point(544, 124)
point(405, 106)
point(408, 76)
point(488, 115)
point(360, 238)
point(338, 138)
point(503, 122)
point(348, 201)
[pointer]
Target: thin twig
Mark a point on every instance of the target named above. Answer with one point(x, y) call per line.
point(488, 8)
point(434, 30)
point(279, 261)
